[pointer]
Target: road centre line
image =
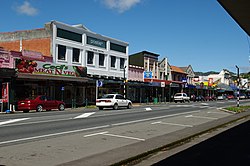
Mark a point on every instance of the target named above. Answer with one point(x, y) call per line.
point(113, 135)
point(54, 134)
point(158, 117)
point(173, 124)
point(201, 117)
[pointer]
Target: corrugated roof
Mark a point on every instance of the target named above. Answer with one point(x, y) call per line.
point(177, 69)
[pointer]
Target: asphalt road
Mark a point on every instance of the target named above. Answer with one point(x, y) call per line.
point(52, 138)
point(230, 148)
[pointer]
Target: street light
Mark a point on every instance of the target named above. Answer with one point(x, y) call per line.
point(238, 87)
point(124, 82)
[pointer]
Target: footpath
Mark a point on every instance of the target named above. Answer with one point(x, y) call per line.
point(135, 153)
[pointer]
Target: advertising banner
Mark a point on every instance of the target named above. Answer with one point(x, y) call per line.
point(210, 82)
point(47, 68)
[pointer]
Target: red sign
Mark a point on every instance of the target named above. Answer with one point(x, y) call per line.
point(5, 92)
point(210, 81)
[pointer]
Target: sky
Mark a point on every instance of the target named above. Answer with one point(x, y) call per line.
point(199, 33)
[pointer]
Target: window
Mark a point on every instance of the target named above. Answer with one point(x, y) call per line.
point(117, 47)
point(76, 55)
point(61, 52)
point(69, 35)
point(113, 61)
point(90, 58)
point(122, 63)
point(101, 59)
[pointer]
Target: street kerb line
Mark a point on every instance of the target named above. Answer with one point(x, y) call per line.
point(154, 118)
point(54, 134)
point(173, 124)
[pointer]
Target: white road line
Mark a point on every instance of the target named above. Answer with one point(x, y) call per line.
point(94, 134)
point(202, 117)
point(121, 136)
point(13, 121)
point(85, 115)
point(158, 117)
point(213, 112)
point(148, 109)
point(204, 104)
point(173, 124)
point(54, 134)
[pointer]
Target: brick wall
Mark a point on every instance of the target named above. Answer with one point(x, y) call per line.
point(42, 45)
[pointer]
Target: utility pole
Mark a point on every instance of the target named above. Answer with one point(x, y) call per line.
point(238, 86)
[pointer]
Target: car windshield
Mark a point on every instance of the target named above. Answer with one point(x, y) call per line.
point(178, 94)
point(107, 97)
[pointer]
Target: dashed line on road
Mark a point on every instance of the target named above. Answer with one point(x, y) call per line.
point(173, 124)
point(106, 133)
point(201, 117)
point(85, 115)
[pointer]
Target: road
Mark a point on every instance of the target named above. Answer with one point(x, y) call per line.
point(52, 138)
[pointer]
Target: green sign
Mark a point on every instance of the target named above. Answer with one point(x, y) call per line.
point(96, 42)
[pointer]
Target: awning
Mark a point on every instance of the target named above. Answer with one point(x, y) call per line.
point(224, 87)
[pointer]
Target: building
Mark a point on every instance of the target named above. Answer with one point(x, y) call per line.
point(73, 47)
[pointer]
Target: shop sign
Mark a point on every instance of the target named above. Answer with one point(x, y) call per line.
point(6, 61)
point(32, 54)
point(5, 92)
point(52, 69)
point(174, 85)
point(148, 74)
point(162, 84)
point(96, 42)
point(210, 81)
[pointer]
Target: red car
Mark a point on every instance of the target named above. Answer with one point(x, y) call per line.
point(40, 103)
point(229, 97)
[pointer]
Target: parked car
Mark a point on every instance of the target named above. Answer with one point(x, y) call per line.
point(221, 97)
point(113, 101)
point(40, 103)
point(243, 96)
point(209, 98)
point(181, 97)
point(230, 97)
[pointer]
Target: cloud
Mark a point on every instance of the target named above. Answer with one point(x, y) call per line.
point(27, 9)
point(121, 5)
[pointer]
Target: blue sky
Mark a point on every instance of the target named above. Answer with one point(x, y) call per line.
point(196, 32)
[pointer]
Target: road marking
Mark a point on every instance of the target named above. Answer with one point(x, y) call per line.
point(54, 134)
point(113, 135)
point(85, 115)
point(220, 102)
point(94, 134)
point(202, 117)
point(204, 104)
point(174, 124)
point(148, 109)
point(158, 117)
point(213, 112)
point(13, 121)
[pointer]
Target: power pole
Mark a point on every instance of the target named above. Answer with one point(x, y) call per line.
point(238, 86)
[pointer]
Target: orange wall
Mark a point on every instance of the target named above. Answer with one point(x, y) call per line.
point(40, 45)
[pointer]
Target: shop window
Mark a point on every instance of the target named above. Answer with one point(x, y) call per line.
point(113, 61)
point(122, 63)
point(90, 58)
point(61, 52)
point(101, 59)
point(76, 55)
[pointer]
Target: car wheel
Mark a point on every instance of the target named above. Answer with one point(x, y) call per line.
point(39, 108)
point(26, 111)
point(115, 106)
point(100, 108)
point(61, 107)
point(129, 106)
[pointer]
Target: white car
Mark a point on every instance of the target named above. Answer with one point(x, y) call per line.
point(181, 97)
point(113, 101)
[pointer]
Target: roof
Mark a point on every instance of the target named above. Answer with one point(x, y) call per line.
point(239, 11)
point(177, 69)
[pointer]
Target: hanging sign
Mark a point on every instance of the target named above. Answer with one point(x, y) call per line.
point(5, 92)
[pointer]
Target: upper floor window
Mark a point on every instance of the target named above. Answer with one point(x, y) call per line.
point(90, 58)
point(76, 55)
point(122, 63)
point(65, 34)
point(117, 47)
point(101, 59)
point(113, 61)
point(61, 52)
